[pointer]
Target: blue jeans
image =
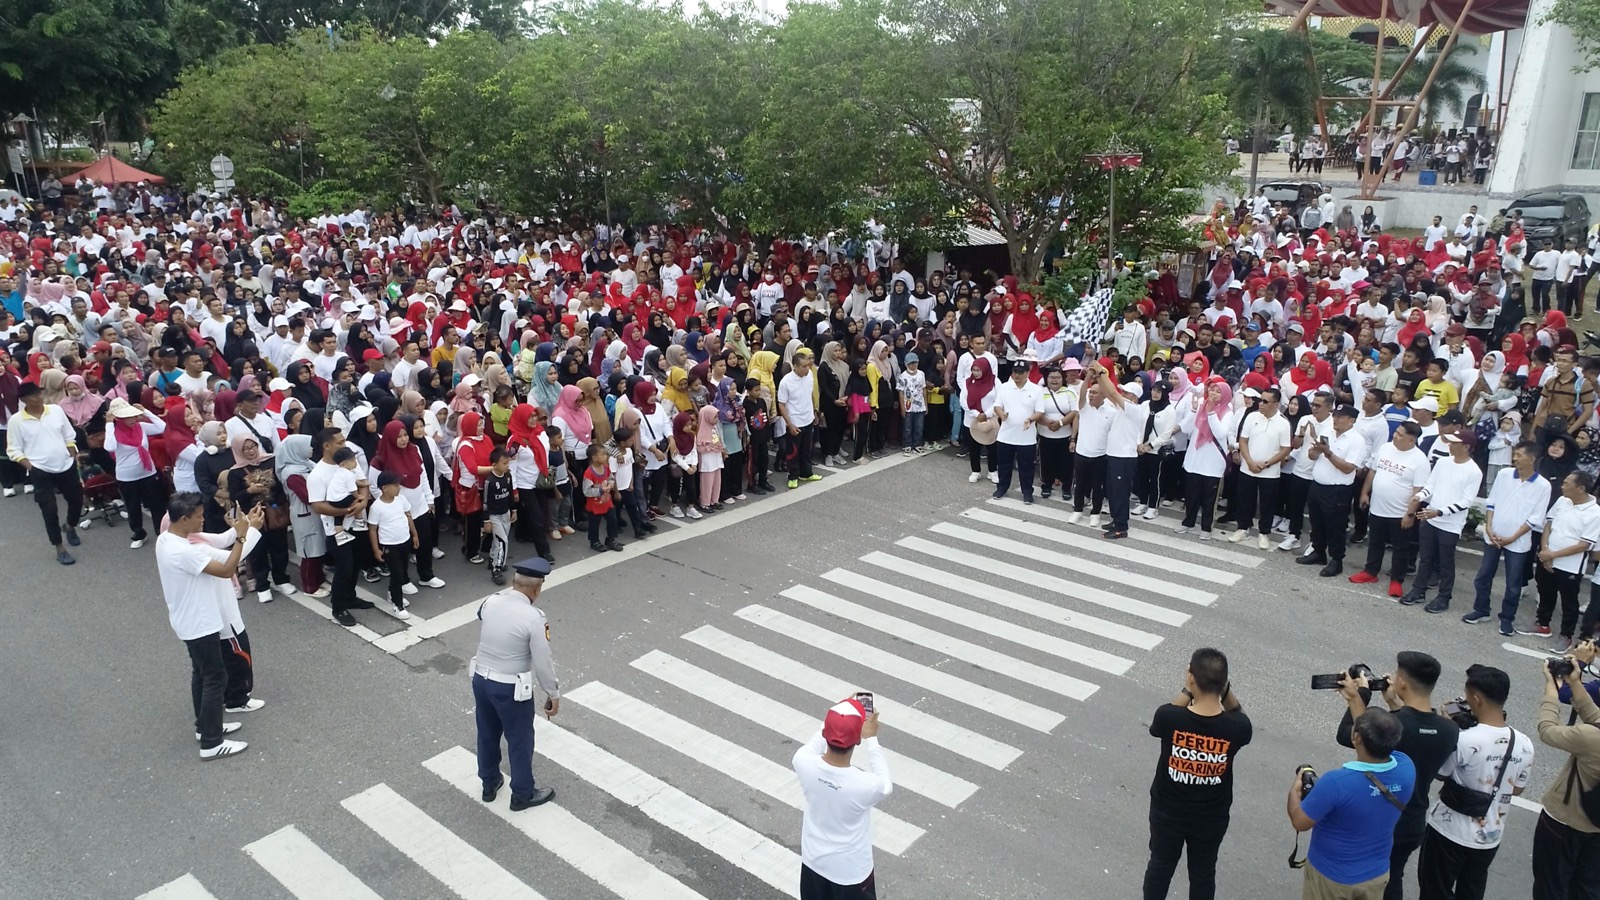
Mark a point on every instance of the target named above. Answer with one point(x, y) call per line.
point(500, 716)
point(956, 414)
point(1484, 583)
point(911, 429)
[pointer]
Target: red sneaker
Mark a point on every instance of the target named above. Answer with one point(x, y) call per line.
point(1396, 589)
point(1363, 577)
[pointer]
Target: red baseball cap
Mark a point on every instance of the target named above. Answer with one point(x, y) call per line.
point(841, 727)
point(370, 354)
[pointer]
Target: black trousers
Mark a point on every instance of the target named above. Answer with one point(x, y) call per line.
point(1566, 862)
point(237, 661)
point(1169, 836)
point(1399, 855)
point(974, 452)
point(1119, 488)
point(1055, 462)
point(269, 561)
point(1554, 585)
point(1295, 490)
point(1255, 496)
point(760, 451)
point(342, 558)
point(45, 487)
point(1436, 559)
point(533, 524)
point(1199, 499)
point(427, 538)
point(1541, 295)
point(1330, 518)
point(1088, 482)
point(1147, 477)
point(1019, 458)
point(395, 556)
point(138, 496)
point(208, 683)
point(1449, 871)
point(1383, 533)
point(11, 473)
point(800, 451)
point(815, 887)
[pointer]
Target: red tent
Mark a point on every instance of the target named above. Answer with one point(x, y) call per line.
point(1485, 17)
point(110, 170)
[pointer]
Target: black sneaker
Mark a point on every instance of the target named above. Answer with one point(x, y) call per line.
point(490, 792)
point(344, 618)
point(1474, 617)
point(362, 604)
point(72, 537)
point(539, 797)
point(614, 545)
point(597, 547)
point(370, 575)
point(1437, 607)
point(497, 577)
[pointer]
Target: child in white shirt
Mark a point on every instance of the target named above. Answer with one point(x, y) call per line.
point(912, 385)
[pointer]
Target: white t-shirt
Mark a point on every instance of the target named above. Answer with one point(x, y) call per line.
point(1266, 438)
point(1543, 264)
point(1479, 753)
point(1568, 525)
point(1396, 474)
point(191, 604)
point(390, 520)
point(1125, 428)
point(836, 828)
point(189, 384)
point(1094, 427)
point(794, 392)
point(328, 482)
point(1019, 404)
point(1055, 407)
point(1309, 430)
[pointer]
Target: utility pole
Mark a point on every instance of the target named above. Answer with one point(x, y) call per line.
point(1114, 157)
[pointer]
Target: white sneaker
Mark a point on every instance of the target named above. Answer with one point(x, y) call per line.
point(227, 728)
point(343, 537)
point(973, 478)
point(1075, 518)
point(286, 589)
point(1139, 510)
point(134, 545)
point(251, 705)
point(1290, 542)
point(1263, 542)
point(400, 613)
point(1280, 524)
point(994, 477)
point(1181, 529)
point(1309, 550)
point(408, 588)
point(10, 492)
point(694, 513)
point(1238, 536)
point(435, 582)
point(226, 748)
point(676, 512)
point(264, 596)
point(1205, 535)
point(906, 452)
point(28, 489)
point(1166, 504)
point(321, 592)
point(437, 553)
point(1151, 514)
point(1094, 521)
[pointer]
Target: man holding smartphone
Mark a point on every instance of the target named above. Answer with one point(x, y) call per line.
point(836, 828)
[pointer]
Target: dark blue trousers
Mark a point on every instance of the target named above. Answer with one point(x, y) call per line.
point(500, 716)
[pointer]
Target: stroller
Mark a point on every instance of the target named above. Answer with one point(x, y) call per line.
point(101, 496)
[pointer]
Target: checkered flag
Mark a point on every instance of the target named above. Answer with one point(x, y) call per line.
point(1087, 323)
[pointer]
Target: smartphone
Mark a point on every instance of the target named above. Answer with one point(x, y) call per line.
point(1326, 682)
point(865, 699)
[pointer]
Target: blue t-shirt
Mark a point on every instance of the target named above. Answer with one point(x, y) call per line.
point(1355, 824)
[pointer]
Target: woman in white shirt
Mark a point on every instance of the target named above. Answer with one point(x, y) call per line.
point(128, 441)
point(1157, 451)
point(1209, 423)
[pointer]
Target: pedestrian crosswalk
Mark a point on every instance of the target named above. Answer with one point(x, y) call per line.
point(978, 636)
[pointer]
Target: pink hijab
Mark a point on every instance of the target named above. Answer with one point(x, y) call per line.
point(1202, 429)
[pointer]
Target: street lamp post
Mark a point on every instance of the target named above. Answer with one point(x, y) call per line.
point(1114, 157)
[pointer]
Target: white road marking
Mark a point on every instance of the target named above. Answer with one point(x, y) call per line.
point(467, 613)
point(306, 870)
point(744, 766)
point(326, 612)
point(911, 774)
point(455, 863)
point(1073, 563)
point(928, 678)
point(1098, 546)
point(614, 866)
point(186, 887)
point(955, 648)
point(1527, 804)
point(983, 624)
point(1527, 651)
point(1022, 603)
point(735, 842)
point(901, 716)
point(1159, 536)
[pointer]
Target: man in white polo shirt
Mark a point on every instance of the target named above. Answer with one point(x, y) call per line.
point(836, 827)
point(1336, 458)
point(1395, 474)
point(1089, 444)
point(1440, 510)
point(1016, 406)
point(1123, 436)
point(1264, 443)
point(1571, 530)
point(1517, 503)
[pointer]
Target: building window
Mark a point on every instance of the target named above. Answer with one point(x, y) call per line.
point(1586, 155)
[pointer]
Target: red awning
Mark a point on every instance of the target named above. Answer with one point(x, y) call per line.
point(110, 170)
point(1486, 17)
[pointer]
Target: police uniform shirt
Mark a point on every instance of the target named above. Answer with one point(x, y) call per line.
point(515, 638)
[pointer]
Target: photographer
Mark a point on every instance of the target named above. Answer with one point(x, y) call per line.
point(1566, 842)
point(1425, 736)
point(1201, 732)
point(1354, 809)
point(1489, 767)
point(836, 829)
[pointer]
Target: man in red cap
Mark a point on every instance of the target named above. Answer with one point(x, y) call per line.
point(836, 829)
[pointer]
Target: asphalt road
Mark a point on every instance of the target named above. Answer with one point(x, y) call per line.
point(1017, 659)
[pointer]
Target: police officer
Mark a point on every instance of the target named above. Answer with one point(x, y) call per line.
point(513, 651)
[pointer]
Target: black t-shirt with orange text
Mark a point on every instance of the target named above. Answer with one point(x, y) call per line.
point(1194, 774)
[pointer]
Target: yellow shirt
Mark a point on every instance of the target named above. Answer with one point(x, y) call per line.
point(1442, 392)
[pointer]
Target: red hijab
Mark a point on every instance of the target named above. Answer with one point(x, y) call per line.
point(527, 432)
point(405, 462)
point(979, 383)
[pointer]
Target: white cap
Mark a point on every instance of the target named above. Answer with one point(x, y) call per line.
point(1134, 387)
point(278, 384)
point(471, 379)
point(280, 321)
point(458, 306)
point(622, 258)
point(1427, 403)
point(349, 306)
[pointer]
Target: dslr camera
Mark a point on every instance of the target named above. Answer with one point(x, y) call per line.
point(1331, 682)
point(1560, 668)
point(1308, 778)
point(1460, 713)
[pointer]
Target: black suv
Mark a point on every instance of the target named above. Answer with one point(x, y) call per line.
point(1553, 215)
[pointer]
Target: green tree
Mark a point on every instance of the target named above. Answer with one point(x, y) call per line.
point(1582, 17)
point(1270, 82)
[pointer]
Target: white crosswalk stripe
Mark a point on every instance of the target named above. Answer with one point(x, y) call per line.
point(436, 849)
point(926, 677)
point(938, 594)
point(747, 767)
point(304, 869)
point(1159, 536)
point(904, 717)
point(797, 726)
point(575, 841)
